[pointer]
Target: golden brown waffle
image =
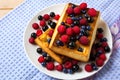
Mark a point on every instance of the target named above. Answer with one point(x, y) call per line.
point(73, 53)
point(42, 42)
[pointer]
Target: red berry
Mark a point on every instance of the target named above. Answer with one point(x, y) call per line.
point(77, 10)
point(64, 38)
point(104, 44)
point(42, 23)
point(68, 65)
point(69, 31)
point(57, 16)
point(41, 59)
point(50, 66)
point(84, 40)
point(92, 12)
point(69, 21)
point(59, 67)
point(61, 29)
point(39, 32)
point(69, 10)
point(83, 21)
point(35, 26)
point(46, 17)
point(99, 35)
point(99, 62)
point(51, 33)
point(103, 57)
point(76, 29)
point(83, 6)
point(74, 62)
point(88, 67)
point(31, 40)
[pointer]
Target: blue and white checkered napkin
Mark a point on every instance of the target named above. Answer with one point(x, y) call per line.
point(14, 64)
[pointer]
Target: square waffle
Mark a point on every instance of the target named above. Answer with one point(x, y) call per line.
point(43, 43)
point(74, 53)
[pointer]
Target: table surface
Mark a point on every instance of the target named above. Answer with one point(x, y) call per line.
point(14, 64)
point(7, 5)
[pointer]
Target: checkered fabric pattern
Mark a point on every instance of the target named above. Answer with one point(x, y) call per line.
point(14, 65)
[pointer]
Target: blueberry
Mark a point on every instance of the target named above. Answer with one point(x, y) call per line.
point(66, 26)
point(33, 35)
point(81, 34)
point(73, 6)
point(72, 38)
point(45, 28)
point(90, 19)
point(70, 71)
point(107, 49)
point(49, 22)
point(100, 30)
point(76, 22)
point(82, 27)
point(39, 50)
point(62, 23)
point(97, 55)
point(83, 11)
point(53, 25)
point(80, 49)
point(94, 66)
point(52, 14)
point(86, 15)
point(86, 33)
point(49, 40)
point(65, 70)
point(71, 45)
point(59, 43)
point(72, 25)
point(73, 18)
point(48, 59)
point(82, 30)
point(80, 17)
point(44, 54)
point(99, 51)
point(103, 40)
point(97, 45)
point(78, 37)
point(71, 15)
point(88, 28)
point(75, 68)
point(40, 17)
point(43, 64)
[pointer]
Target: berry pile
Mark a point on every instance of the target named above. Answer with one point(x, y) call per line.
point(98, 52)
point(76, 26)
point(45, 22)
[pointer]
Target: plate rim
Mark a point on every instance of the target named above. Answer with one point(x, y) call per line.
point(46, 72)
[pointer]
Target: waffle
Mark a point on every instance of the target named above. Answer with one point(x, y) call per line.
point(43, 43)
point(74, 53)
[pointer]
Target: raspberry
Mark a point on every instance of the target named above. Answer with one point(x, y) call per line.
point(84, 40)
point(76, 29)
point(99, 35)
point(39, 32)
point(42, 23)
point(35, 26)
point(88, 67)
point(104, 44)
point(56, 17)
point(83, 6)
point(69, 31)
point(41, 59)
point(69, 10)
point(69, 21)
point(61, 29)
point(46, 17)
point(50, 66)
point(103, 57)
point(99, 62)
point(64, 38)
point(83, 21)
point(77, 10)
point(59, 67)
point(51, 33)
point(68, 65)
point(31, 40)
point(74, 62)
point(92, 12)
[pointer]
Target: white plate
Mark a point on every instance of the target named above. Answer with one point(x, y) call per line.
point(33, 55)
